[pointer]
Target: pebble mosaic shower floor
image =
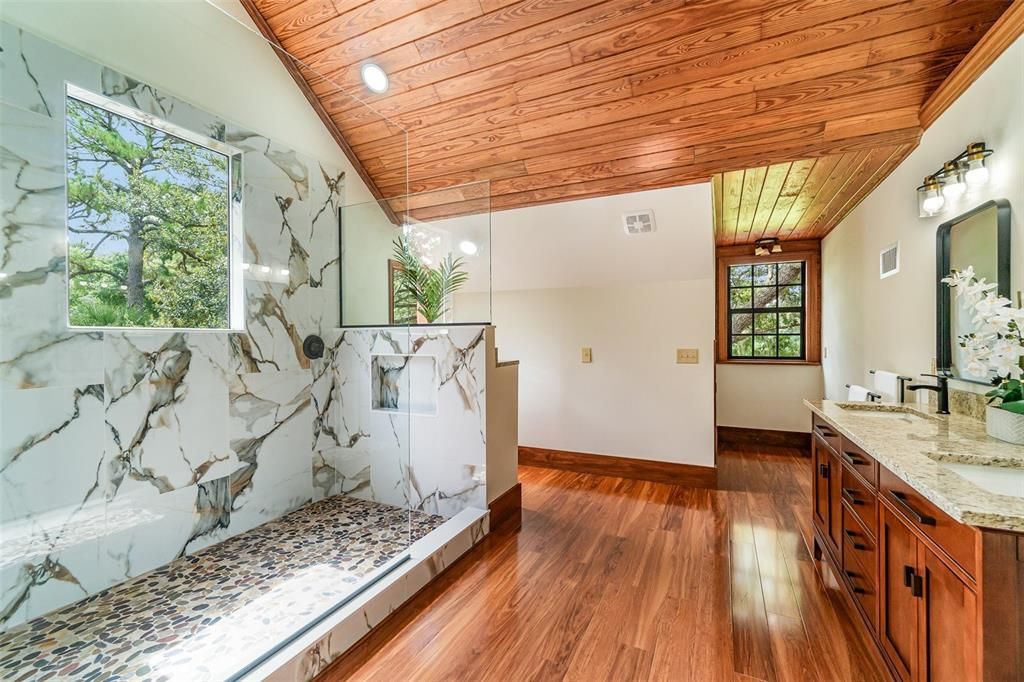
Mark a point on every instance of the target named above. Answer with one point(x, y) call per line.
point(209, 614)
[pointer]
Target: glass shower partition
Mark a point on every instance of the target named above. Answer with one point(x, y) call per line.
point(169, 423)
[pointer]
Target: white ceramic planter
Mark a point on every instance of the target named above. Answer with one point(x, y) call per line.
point(1004, 425)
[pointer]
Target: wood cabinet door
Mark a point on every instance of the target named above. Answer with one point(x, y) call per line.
point(950, 620)
point(900, 584)
point(820, 476)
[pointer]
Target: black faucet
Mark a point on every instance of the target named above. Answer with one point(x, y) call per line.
point(942, 389)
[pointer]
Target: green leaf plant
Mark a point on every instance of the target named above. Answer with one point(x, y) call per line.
point(428, 288)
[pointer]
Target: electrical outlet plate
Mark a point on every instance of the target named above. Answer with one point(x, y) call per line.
point(586, 355)
point(687, 356)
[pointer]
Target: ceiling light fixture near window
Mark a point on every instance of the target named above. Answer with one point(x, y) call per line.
point(467, 247)
point(767, 245)
point(374, 78)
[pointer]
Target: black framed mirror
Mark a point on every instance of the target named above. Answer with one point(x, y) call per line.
point(979, 238)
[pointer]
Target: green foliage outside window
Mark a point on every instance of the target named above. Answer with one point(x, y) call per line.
point(148, 225)
point(766, 311)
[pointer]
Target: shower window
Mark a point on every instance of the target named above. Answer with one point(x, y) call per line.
point(153, 221)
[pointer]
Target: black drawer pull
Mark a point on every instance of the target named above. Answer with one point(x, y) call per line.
point(853, 459)
point(908, 576)
point(826, 432)
point(853, 539)
point(851, 575)
point(822, 470)
point(901, 500)
point(850, 495)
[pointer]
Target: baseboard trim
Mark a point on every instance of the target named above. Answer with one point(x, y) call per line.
point(735, 435)
point(507, 509)
point(689, 475)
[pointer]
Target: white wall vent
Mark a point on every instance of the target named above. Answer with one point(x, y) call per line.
point(889, 261)
point(638, 222)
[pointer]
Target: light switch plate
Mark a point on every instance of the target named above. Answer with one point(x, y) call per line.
point(587, 355)
point(686, 356)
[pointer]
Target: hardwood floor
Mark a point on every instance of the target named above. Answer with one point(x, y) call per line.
point(615, 579)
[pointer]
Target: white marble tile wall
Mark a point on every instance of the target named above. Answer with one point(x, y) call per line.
point(120, 451)
point(432, 460)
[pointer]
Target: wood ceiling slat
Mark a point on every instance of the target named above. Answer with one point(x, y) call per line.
point(307, 15)
point(717, 200)
point(560, 99)
point(391, 35)
point(795, 179)
point(812, 185)
point(862, 28)
point(798, 16)
point(732, 185)
point(509, 19)
point(753, 183)
point(774, 180)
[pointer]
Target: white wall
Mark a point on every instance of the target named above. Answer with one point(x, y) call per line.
point(767, 396)
point(567, 276)
point(868, 323)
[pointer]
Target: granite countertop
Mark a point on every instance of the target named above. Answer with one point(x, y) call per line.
point(924, 448)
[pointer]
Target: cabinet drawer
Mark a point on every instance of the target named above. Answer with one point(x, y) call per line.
point(863, 589)
point(955, 538)
point(827, 433)
point(860, 461)
point(860, 547)
point(860, 498)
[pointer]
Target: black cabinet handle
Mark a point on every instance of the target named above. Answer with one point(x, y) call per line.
point(853, 539)
point(851, 496)
point(901, 500)
point(851, 575)
point(917, 589)
point(853, 459)
point(822, 470)
point(828, 433)
point(908, 576)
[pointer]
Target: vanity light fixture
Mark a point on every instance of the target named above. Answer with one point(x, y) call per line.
point(974, 158)
point(467, 247)
point(929, 197)
point(966, 172)
point(953, 183)
point(374, 78)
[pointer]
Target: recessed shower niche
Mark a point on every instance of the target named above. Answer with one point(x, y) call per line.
point(404, 384)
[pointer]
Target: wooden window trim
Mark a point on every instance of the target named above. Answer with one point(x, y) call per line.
point(808, 251)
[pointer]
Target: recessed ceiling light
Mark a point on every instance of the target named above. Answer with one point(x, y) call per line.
point(374, 78)
point(467, 247)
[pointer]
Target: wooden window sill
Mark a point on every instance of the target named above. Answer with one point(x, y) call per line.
point(766, 361)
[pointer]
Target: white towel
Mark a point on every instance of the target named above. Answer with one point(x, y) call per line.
point(857, 393)
point(888, 385)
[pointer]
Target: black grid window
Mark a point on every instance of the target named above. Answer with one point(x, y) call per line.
point(767, 311)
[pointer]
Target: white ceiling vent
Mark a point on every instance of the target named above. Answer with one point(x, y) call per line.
point(889, 261)
point(638, 222)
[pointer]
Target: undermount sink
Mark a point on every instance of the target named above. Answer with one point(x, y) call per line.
point(883, 410)
point(995, 479)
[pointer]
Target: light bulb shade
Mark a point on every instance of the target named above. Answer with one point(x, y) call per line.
point(977, 173)
point(777, 248)
point(952, 178)
point(929, 197)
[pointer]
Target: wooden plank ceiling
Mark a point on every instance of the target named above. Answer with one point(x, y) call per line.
point(563, 99)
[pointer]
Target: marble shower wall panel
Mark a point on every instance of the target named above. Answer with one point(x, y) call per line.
point(122, 450)
point(432, 462)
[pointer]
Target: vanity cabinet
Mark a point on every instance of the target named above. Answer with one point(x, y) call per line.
point(942, 600)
